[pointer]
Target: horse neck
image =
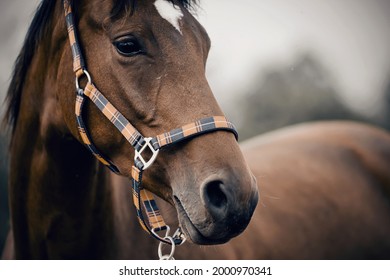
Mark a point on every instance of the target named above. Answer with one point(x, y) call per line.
point(60, 200)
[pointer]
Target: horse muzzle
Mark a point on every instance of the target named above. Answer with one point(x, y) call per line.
point(224, 211)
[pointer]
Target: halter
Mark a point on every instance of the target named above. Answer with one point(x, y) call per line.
point(140, 143)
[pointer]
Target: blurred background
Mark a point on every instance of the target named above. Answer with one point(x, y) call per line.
point(272, 63)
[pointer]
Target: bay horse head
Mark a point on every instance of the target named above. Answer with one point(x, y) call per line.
point(147, 60)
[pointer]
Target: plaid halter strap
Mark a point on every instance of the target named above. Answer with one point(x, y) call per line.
point(141, 196)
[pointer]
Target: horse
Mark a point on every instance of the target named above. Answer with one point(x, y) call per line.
point(147, 61)
point(325, 187)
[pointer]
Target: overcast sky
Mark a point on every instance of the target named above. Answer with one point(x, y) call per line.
point(350, 37)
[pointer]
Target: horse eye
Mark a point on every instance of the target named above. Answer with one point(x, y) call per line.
point(128, 47)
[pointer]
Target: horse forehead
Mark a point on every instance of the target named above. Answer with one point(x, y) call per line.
point(169, 12)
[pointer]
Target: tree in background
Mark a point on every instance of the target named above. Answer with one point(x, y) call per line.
point(289, 95)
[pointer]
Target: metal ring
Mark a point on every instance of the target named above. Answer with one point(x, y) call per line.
point(173, 247)
point(167, 230)
point(85, 72)
point(178, 237)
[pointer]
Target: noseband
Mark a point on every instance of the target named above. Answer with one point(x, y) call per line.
point(140, 143)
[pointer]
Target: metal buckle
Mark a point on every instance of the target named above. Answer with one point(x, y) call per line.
point(138, 155)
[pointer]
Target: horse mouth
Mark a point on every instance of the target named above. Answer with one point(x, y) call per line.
point(190, 230)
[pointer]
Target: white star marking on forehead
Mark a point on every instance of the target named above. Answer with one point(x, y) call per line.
point(170, 13)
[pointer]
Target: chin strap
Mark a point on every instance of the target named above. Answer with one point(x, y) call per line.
point(142, 198)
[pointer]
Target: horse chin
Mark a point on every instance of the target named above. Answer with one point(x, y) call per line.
point(191, 232)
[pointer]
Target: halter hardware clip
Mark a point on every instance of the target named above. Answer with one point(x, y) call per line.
point(138, 154)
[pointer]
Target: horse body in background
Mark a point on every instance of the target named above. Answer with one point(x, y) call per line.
point(149, 58)
point(325, 194)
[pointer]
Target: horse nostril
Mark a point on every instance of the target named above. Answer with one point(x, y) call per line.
point(215, 197)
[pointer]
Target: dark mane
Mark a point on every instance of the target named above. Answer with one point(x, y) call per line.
point(38, 29)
